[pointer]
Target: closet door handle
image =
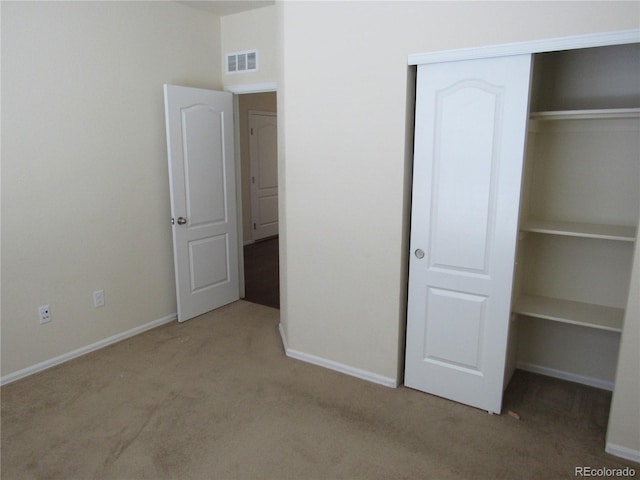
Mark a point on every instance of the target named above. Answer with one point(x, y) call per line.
point(182, 220)
point(419, 253)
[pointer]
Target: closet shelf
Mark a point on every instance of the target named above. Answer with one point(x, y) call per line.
point(585, 230)
point(587, 114)
point(575, 313)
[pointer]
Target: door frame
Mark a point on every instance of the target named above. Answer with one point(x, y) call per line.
point(238, 90)
point(575, 42)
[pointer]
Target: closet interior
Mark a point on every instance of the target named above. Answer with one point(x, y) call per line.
point(579, 213)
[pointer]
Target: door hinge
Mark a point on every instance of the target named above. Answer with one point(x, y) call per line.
point(251, 130)
point(173, 221)
point(253, 179)
point(254, 226)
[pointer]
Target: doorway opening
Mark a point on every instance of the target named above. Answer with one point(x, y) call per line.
point(257, 146)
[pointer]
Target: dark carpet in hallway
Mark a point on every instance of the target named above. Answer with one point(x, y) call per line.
point(261, 273)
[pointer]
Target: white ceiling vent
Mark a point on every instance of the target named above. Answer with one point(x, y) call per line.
point(242, 62)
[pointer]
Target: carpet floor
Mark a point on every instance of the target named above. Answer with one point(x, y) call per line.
point(216, 398)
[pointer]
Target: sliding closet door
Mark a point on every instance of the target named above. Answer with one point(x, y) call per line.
point(469, 146)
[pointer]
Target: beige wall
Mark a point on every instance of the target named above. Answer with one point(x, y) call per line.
point(343, 118)
point(254, 29)
point(85, 197)
point(263, 102)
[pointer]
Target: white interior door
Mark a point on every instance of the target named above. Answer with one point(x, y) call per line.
point(203, 198)
point(469, 147)
point(263, 154)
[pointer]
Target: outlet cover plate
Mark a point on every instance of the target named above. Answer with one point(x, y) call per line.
point(98, 298)
point(44, 314)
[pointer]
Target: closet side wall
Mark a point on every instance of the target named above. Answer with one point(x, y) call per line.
point(623, 435)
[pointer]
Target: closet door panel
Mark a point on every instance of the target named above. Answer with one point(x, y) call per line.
point(462, 191)
point(469, 147)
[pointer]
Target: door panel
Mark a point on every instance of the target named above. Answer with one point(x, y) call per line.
point(469, 148)
point(456, 319)
point(202, 186)
point(462, 223)
point(202, 128)
point(208, 262)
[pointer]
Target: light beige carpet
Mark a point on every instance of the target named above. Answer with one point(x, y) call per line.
point(216, 398)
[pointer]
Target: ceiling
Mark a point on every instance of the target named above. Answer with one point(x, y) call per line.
point(228, 7)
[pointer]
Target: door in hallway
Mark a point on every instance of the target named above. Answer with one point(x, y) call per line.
point(263, 154)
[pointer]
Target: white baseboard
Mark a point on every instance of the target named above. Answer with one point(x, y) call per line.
point(571, 377)
point(336, 366)
point(38, 367)
point(623, 452)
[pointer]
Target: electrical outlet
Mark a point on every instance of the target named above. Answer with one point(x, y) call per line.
point(98, 298)
point(44, 313)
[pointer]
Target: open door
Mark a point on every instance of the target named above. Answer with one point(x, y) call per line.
point(203, 198)
point(469, 146)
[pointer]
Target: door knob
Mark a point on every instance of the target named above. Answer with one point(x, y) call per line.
point(182, 220)
point(419, 252)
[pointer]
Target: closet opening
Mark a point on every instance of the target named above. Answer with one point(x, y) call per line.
point(579, 213)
